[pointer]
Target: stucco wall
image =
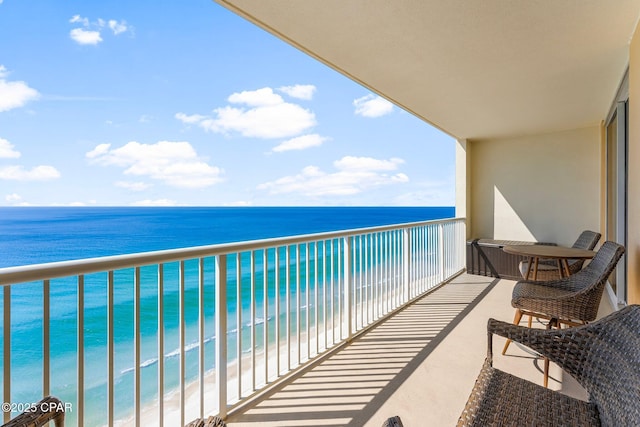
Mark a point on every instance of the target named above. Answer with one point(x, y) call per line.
point(541, 188)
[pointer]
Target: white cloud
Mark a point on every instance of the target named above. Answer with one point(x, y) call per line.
point(145, 118)
point(354, 175)
point(13, 198)
point(133, 186)
point(301, 143)
point(299, 91)
point(78, 19)
point(100, 150)
point(82, 36)
point(38, 173)
point(195, 118)
point(256, 98)
point(157, 202)
point(118, 27)
point(372, 106)
point(367, 163)
point(174, 163)
point(7, 151)
point(14, 94)
point(91, 32)
point(268, 116)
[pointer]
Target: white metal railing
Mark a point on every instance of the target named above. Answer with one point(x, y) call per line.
point(181, 334)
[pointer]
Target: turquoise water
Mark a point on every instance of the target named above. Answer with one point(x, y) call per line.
point(37, 235)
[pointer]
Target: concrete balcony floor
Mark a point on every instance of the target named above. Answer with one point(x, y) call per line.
point(420, 364)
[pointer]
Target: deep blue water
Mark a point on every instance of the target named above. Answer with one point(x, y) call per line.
point(38, 235)
point(31, 235)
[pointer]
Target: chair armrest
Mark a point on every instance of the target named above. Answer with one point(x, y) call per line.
point(561, 346)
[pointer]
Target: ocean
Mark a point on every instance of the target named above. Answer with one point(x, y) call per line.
point(34, 235)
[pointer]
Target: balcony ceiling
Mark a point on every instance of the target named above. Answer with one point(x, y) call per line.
point(474, 69)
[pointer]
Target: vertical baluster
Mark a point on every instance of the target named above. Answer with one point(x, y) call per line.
point(288, 303)
point(182, 333)
point(307, 301)
point(46, 338)
point(160, 344)
point(423, 259)
point(440, 254)
point(392, 269)
point(6, 375)
point(315, 296)
point(340, 288)
point(298, 302)
point(239, 322)
point(374, 280)
point(277, 308)
point(324, 293)
point(80, 337)
point(201, 333)
point(406, 256)
point(332, 293)
point(265, 311)
point(221, 333)
point(253, 320)
point(348, 286)
point(110, 351)
point(136, 344)
point(354, 282)
point(361, 280)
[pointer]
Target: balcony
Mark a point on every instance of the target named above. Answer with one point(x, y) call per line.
point(420, 364)
point(154, 338)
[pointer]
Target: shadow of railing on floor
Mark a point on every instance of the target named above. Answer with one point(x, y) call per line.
point(350, 386)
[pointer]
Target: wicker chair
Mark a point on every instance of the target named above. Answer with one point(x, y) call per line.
point(48, 409)
point(212, 421)
point(602, 356)
point(573, 300)
point(548, 269)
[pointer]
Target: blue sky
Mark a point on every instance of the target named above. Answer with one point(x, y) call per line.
point(119, 103)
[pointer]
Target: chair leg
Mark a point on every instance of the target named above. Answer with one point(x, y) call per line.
point(516, 321)
point(550, 325)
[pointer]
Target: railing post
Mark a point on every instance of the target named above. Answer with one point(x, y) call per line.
point(406, 263)
point(6, 376)
point(441, 251)
point(221, 333)
point(348, 286)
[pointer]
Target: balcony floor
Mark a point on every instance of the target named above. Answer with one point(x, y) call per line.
point(419, 364)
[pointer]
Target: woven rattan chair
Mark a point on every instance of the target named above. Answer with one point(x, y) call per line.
point(48, 409)
point(603, 356)
point(212, 421)
point(392, 422)
point(549, 270)
point(573, 300)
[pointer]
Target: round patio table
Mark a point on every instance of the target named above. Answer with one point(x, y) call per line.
point(537, 252)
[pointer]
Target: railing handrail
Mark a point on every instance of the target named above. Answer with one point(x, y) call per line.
point(34, 272)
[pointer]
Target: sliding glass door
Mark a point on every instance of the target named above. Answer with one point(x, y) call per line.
point(616, 194)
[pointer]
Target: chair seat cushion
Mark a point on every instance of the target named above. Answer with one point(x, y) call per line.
point(499, 398)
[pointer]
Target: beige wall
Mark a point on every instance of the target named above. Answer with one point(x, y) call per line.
point(541, 188)
point(463, 180)
point(633, 238)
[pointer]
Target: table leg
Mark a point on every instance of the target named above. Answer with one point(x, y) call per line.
point(535, 269)
point(529, 266)
point(565, 263)
point(560, 270)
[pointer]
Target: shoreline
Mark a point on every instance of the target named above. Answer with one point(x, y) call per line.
point(149, 412)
